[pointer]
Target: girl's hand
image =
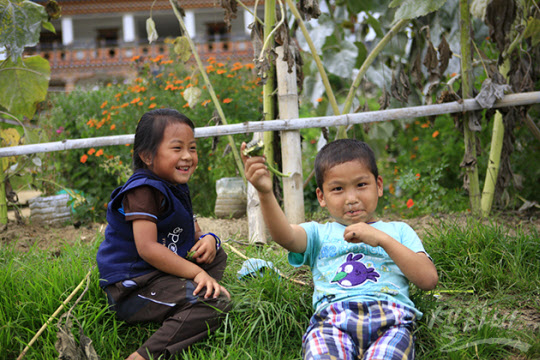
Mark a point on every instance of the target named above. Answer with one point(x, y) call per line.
point(204, 250)
point(256, 171)
point(204, 280)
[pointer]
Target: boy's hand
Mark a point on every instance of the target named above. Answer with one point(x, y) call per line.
point(213, 288)
point(256, 171)
point(364, 233)
point(204, 250)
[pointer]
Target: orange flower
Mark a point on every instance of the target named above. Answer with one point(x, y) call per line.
point(415, 138)
point(220, 64)
point(91, 151)
point(104, 112)
point(392, 189)
point(152, 98)
point(113, 127)
point(84, 158)
point(230, 76)
point(424, 125)
point(152, 105)
point(135, 58)
point(186, 105)
point(140, 103)
point(205, 102)
point(104, 104)
point(221, 71)
point(124, 105)
point(413, 156)
point(136, 100)
point(227, 100)
point(410, 203)
point(435, 134)
point(99, 152)
point(319, 99)
point(417, 176)
point(249, 66)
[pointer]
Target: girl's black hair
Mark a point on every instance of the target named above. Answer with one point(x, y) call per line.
point(149, 133)
point(342, 151)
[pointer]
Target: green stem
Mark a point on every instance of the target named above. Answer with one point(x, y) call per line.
point(369, 60)
point(3, 200)
point(269, 87)
point(467, 86)
point(236, 154)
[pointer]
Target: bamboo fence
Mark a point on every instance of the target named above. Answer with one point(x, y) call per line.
point(519, 99)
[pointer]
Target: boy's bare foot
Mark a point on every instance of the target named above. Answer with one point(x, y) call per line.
point(135, 356)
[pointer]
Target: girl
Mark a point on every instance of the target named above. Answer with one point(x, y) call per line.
point(151, 234)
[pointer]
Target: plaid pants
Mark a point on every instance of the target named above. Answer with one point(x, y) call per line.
point(352, 330)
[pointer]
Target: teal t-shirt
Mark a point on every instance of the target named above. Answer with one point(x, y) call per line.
point(344, 271)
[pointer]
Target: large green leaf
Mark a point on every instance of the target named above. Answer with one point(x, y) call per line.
point(411, 9)
point(27, 80)
point(341, 58)
point(20, 25)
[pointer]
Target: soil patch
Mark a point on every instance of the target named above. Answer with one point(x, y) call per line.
point(24, 235)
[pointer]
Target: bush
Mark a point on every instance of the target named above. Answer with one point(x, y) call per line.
point(116, 109)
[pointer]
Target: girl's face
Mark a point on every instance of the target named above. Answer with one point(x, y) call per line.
point(350, 192)
point(176, 157)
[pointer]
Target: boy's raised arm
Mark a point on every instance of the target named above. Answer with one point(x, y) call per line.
point(291, 237)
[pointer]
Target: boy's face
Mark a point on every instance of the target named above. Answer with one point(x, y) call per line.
point(350, 192)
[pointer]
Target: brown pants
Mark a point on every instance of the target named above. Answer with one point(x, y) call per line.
point(166, 299)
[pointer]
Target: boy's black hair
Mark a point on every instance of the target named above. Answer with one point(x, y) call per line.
point(149, 133)
point(341, 151)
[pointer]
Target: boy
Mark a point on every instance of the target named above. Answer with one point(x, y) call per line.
point(360, 266)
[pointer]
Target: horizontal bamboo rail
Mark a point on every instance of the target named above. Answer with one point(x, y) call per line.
point(520, 99)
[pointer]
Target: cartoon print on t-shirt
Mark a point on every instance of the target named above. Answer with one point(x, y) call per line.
point(354, 273)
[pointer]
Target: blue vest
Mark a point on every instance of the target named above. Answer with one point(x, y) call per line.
point(117, 256)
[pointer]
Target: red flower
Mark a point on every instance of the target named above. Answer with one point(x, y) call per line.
point(410, 203)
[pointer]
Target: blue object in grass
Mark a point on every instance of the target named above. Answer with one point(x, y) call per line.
point(254, 267)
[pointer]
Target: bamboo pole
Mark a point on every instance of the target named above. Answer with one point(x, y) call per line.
point(519, 99)
point(291, 149)
point(494, 160)
point(471, 168)
point(68, 299)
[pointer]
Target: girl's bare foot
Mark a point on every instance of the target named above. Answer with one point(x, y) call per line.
point(135, 356)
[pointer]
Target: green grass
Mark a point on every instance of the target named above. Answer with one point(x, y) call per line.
point(498, 320)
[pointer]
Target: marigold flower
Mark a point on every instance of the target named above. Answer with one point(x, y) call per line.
point(221, 71)
point(250, 66)
point(413, 156)
point(136, 100)
point(84, 158)
point(152, 98)
point(415, 138)
point(410, 203)
point(424, 125)
point(417, 176)
point(319, 99)
point(113, 126)
point(135, 58)
point(124, 105)
point(91, 151)
point(435, 134)
point(99, 152)
point(220, 64)
point(230, 76)
point(104, 104)
point(104, 112)
point(152, 105)
point(186, 105)
point(140, 103)
point(205, 102)
point(227, 100)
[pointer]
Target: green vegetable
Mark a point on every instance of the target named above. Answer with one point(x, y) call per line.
point(256, 148)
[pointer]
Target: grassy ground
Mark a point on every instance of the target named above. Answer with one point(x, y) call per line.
point(487, 304)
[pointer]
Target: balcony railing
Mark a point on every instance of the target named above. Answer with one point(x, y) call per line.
point(61, 57)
